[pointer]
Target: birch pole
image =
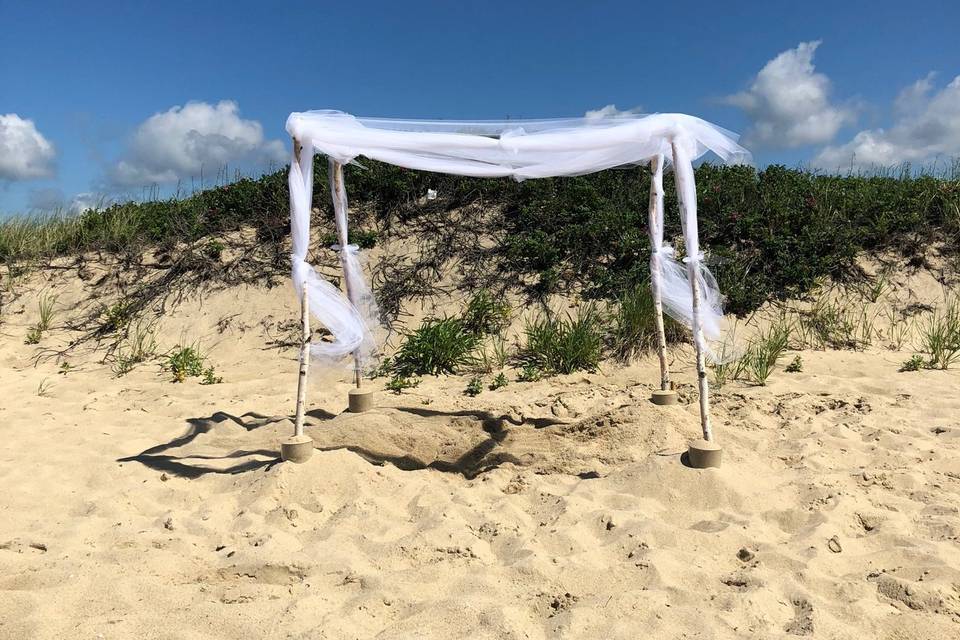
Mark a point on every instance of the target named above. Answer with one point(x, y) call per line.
point(304, 363)
point(655, 231)
point(687, 195)
point(299, 448)
point(339, 196)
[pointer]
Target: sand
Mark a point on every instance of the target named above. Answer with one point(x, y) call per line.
point(135, 507)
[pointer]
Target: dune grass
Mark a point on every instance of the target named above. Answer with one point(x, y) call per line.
point(563, 344)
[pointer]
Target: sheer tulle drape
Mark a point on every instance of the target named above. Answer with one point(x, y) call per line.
point(327, 304)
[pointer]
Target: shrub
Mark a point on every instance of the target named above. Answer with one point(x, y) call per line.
point(563, 345)
point(116, 316)
point(529, 373)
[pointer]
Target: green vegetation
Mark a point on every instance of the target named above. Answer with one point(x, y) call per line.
point(765, 351)
point(837, 324)
point(796, 365)
point(139, 346)
point(915, 363)
point(486, 315)
point(47, 309)
point(499, 381)
point(474, 387)
point(189, 361)
point(940, 337)
point(398, 383)
point(439, 345)
point(772, 234)
point(634, 326)
point(564, 344)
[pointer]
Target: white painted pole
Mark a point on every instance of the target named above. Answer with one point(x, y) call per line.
point(339, 196)
point(655, 231)
point(687, 195)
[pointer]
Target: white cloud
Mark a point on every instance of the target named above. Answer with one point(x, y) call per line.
point(24, 153)
point(789, 102)
point(610, 111)
point(52, 200)
point(83, 201)
point(185, 141)
point(927, 127)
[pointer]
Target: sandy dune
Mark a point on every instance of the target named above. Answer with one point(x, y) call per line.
point(134, 507)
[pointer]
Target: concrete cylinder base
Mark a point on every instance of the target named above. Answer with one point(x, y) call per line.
point(664, 397)
point(297, 449)
point(702, 454)
point(360, 400)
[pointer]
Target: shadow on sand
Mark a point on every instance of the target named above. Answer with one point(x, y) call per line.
point(479, 459)
point(183, 466)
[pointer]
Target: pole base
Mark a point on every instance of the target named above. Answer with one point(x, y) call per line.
point(360, 400)
point(702, 454)
point(664, 397)
point(297, 449)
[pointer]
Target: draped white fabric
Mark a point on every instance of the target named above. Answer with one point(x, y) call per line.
point(520, 149)
point(327, 305)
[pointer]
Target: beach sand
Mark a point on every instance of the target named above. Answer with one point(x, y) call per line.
point(135, 507)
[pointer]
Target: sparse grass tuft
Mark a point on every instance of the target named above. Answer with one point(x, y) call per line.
point(940, 337)
point(43, 389)
point(837, 324)
point(47, 311)
point(634, 325)
point(139, 346)
point(486, 314)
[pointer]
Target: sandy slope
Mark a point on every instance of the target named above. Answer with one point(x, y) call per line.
point(134, 507)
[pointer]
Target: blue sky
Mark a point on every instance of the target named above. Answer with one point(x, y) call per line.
point(82, 84)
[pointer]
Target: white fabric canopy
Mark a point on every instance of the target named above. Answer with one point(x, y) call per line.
point(521, 149)
point(518, 148)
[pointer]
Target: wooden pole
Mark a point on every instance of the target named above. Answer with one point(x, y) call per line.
point(299, 448)
point(338, 194)
point(304, 362)
point(687, 195)
point(655, 231)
